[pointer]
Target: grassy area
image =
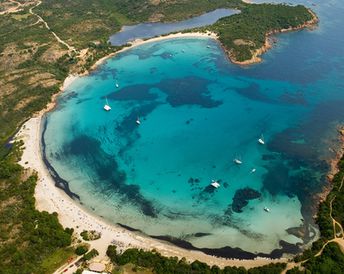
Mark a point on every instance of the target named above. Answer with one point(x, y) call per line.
point(33, 66)
point(131, 269)
point(57, 259)
point(83, 21)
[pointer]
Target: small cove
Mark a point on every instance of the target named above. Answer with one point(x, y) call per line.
point(149, 30)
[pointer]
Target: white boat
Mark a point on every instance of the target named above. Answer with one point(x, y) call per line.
point(215, 184)
point(117, 85)
point(266, 209)
point(261, 140)
point(253, 170)
point(138, 121)
point(107, 106)
point(237, 161)
point(208, 47)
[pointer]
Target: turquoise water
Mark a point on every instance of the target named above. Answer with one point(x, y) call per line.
point(149, 30)
point(198, 112)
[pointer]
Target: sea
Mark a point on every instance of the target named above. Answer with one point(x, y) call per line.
point(182, 114)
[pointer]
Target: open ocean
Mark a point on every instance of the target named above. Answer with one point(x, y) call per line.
point(199, 112)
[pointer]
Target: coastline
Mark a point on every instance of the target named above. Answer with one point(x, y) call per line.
point(333, 166)
point(267, 45)
point(339, 154)
point(71, 214)
point(207, 34)
point(139, 42)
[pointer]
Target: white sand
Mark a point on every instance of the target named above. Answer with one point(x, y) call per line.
point(139, 42)
point(72, 214)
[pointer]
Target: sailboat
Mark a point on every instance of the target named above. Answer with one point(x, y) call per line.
point(107, 106)
point(237, 161)
point(261, 140)
point(215, 184)
point(138, 121)
point(117, 85)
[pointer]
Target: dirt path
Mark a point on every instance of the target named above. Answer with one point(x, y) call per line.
point(336, 239)
point(40, 19)
point(18, 8)
point(14, 9)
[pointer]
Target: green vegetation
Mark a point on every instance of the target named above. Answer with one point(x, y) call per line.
point(90, 235)
point(30, 241)
point(56, 259)
point(331, 261)
point(83, 21)
point(160, 264)
point(84, 235)
point(88, 256)
point(243, 33)
point(81, 250)
point(331, 258)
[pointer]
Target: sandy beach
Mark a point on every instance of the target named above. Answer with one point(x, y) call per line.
point(139, 42)
point(72, 214)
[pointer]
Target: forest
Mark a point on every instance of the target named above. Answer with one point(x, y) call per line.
point(28, 238)
point(242, 34)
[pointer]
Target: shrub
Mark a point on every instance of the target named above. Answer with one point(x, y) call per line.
point(81, 249)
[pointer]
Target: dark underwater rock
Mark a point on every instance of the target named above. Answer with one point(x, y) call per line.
point(242, 196)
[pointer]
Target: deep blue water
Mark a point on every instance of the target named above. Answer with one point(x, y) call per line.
point(198, 112)
point(149, 30)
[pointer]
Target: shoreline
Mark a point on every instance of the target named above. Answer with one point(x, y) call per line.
point(256, 54)
point(139, 42)
point(197, 34)
point(72, 214)
point(333, 163)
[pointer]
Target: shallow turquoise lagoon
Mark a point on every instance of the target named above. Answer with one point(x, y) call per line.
point(198, 112)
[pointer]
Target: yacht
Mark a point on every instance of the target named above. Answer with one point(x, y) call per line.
point(253, 170)
point(266, 209)
point(261, 140)
point(237, 161)
point(215, 184)
point(107, 106)
point(138, 121)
